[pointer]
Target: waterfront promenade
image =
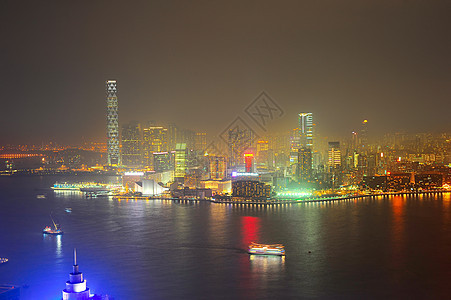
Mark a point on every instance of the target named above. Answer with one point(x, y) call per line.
point(276, 201)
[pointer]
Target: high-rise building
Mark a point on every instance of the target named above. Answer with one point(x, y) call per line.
point(334, 161)
point(163, 161)
point(173, 133)
point(180, 161)
point(263, 154)
point(131, 144)
point(306, 129)
point(304, 165)
point(249, 162)
point(218, 167)
point(239, 140)
point(112, 124)
point(364, 137)
point(154, 140)
point(201, 141)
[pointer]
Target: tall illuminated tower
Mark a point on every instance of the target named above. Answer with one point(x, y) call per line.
point(306, 129)
point(112, 123)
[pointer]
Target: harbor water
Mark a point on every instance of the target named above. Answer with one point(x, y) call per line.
point(378, 247)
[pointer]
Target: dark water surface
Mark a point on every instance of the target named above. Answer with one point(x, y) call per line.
point(382, 247)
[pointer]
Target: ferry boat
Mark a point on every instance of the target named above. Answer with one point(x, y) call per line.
point(76, 186)
point(266, 249)
point(49, 230)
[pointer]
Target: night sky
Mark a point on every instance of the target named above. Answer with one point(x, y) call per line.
point(200, 63)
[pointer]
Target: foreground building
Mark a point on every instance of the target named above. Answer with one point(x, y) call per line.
point(76, 288)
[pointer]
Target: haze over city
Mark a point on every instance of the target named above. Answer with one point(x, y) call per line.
point(225, 149)
point(200, 63)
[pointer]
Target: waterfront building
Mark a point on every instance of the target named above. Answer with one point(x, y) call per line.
point(129, 179)
point(217, 186)
point(250, 189)
point(149, 187)
point(400, 181)
point(112, 124)
point(428, 181)
point(131, 144)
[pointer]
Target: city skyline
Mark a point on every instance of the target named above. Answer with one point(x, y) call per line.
point(241, 149)
point(390, 65)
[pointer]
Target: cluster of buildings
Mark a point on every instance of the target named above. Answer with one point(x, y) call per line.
point(300, 161)
point(164, 158)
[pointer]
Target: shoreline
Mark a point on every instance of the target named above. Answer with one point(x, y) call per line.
point(281, 202)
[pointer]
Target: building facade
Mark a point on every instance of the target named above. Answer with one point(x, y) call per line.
point(114, 158)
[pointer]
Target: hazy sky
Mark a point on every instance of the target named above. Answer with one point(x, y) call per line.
point(200, 63)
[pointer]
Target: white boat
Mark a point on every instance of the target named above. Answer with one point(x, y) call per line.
point(266, 249)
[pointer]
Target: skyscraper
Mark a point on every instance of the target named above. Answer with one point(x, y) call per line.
point(201, 141)
point(249, 162)
point(112, 124)
point(218, 167)
point(155, 139)
point(334, 155)
point(364, 137)
point(131, 144)
point(304, 165)
point(306, 129)
point(180, 161)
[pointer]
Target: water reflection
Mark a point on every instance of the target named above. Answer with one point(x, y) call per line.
point(250, 227)
point(57, 241)
point(266, 269)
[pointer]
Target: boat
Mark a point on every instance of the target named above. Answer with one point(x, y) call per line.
point(68, 209)
point(49, 230)
point(40, 196)
point(3, 260)
point(266, 249)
